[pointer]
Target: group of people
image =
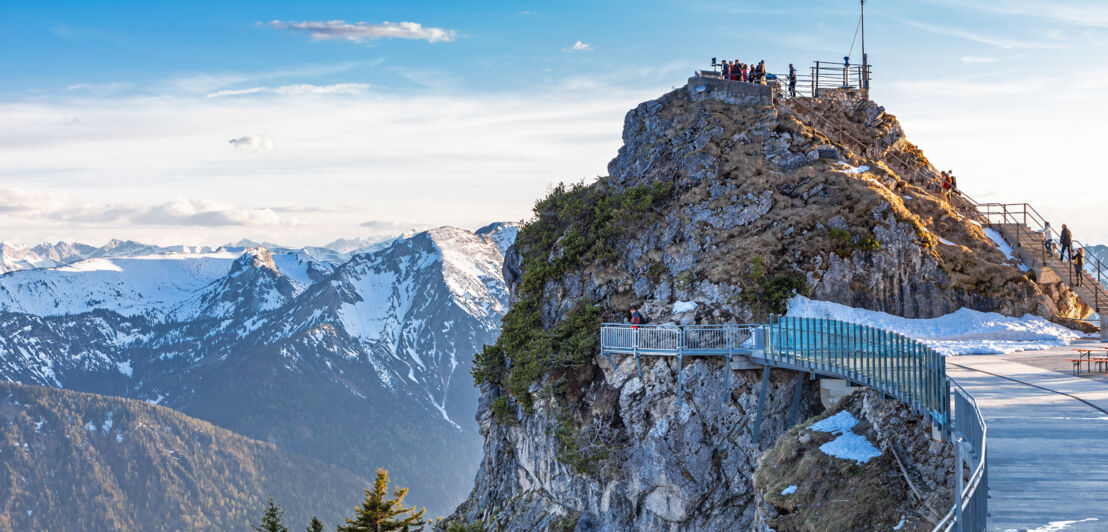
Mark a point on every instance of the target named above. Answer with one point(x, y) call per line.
point(739, 71)
point(1065, 250)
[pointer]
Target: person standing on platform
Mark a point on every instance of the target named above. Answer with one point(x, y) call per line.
point(1065, 244)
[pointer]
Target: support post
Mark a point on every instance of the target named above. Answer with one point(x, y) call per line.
point(727, 377)
point(958, 485)
point(796, 399)
point(680, 380)
point(761, 403)
point(815, 79)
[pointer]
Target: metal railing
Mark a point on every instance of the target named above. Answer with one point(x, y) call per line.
point(1026, 220)
point(888, 362)
point(724, 341)
point(891, 363)
point(971, 497)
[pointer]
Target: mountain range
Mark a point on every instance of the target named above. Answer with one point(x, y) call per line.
point(16, 256)
point(358, 364)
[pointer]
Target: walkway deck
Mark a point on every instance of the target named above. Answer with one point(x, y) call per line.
point(1048, 453)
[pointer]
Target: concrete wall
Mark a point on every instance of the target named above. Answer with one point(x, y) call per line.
point(734, 92)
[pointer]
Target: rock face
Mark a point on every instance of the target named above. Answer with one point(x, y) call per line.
point(714, 212)
point(684, 466)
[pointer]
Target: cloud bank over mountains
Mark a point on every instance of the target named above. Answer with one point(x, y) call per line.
point(37, 204)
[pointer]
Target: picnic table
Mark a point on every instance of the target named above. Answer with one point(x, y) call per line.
point(1085, 354)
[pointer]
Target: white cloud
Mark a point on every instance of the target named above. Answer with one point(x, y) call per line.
point(961, 33)
point(390, 226)
point(38, 204)
point(252, 143)
point(236, 92)
point(1091, 13)
point(300, 89)
point(970, 60)
point(203, 213)
point(529, 12)
point(364, 31)
point(578, 47)
point(343, 89)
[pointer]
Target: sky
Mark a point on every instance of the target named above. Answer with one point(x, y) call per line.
point(204, 122)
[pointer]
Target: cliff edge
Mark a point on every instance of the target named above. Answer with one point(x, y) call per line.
point(716, 210)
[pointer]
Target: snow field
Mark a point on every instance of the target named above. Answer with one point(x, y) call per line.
point(963, 332)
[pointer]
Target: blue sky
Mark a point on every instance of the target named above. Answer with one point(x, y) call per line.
point(301, 122)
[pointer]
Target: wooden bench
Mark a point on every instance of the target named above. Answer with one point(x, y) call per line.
point(1086, 354)
point(1101, 363)
point(1076, 364)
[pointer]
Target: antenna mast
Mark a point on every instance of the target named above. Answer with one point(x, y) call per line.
point(865, 58)
point(863, 31)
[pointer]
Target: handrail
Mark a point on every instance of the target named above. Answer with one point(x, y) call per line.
point(923, 175)
point(888, 362)
point(1026, 218)
point(894, 364)
point(970, 508)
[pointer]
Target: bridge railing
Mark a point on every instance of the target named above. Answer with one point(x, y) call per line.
point(679, 341)
point(971, 497)
point(883, 360)
point(624, 338)
point(886, 361)
point(1026, 219)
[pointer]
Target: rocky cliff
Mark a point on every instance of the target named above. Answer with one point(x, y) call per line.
point(715, 211)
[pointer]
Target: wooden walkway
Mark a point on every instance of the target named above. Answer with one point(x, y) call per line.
point(1048, 452)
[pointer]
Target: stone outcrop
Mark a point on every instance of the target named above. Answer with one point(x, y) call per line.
point(719, 212)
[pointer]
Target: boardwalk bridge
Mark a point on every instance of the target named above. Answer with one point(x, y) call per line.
point(888, 362)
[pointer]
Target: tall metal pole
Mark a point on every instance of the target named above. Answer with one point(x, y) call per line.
point(863, 32)
point(865, 59)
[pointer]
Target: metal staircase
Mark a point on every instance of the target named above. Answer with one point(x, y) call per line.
point(1021, 226)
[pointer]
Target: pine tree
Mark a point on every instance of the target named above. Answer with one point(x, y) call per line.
point(315, 526)
point(271, 519)
point(378, 514)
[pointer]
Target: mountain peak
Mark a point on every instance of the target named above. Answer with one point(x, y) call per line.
point(255, 258)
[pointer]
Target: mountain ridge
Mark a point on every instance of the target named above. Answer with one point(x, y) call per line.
point(252, 341)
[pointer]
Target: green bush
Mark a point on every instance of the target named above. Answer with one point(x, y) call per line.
point(574, 227)
point(502, 411)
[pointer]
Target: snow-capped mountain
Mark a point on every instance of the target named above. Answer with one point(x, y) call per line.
point(16, 256)
point(363, 364)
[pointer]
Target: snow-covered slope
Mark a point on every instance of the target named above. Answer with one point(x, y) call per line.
point(153, 286)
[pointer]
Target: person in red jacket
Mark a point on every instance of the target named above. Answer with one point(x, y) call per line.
point(636, 318)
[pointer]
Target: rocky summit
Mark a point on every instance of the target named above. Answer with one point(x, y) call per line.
point(716, 210)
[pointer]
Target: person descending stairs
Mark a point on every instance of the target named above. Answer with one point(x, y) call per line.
point(1084, 275)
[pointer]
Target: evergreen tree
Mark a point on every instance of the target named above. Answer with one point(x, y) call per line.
point(379, 514)
point(315, 526)
point(271, 519)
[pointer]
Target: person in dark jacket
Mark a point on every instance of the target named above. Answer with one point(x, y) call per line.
point(1065, 244)
point(1078, 266)
point(792, 81)
point(636, 318)
point(726, 69)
